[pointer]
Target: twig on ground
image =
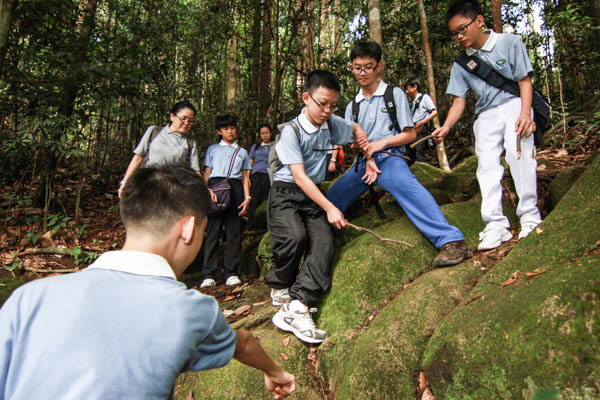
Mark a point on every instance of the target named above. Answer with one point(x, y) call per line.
point(51, 271)
point(360, 228)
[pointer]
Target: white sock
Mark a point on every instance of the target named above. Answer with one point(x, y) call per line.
point(297, 306)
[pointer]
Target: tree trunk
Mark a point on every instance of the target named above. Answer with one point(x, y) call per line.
point(337, 27)
point(233, 71)
point(255, 70)
point(375, 32)
point(264, 85)
point(7, 8)
point(441, 150)
point(497, 16)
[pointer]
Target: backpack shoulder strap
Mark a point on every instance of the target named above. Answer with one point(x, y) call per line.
point(154, 133)
point(390, 105)
point(294, 126)
point(355, 109)
point(486, 72)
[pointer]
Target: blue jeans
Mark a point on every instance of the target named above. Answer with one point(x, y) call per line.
point(397, 179)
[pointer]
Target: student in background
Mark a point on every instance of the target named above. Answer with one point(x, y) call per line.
point(216, 165)
point(259, 177)
point(423, 112)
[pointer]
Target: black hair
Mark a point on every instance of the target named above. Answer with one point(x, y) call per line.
point(182, 105)
point(413, 82)
point(155, 198)
point(366, 49)
point(226, 120)
point(265, 125)
point(321, 78)
point(465, 8)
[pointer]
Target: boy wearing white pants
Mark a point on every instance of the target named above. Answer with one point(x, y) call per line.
point(503, 119)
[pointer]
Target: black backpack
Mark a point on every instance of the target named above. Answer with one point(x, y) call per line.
point(388, 98)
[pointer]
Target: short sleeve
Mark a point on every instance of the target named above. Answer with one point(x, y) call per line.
point(341, 130)
point(144, 144)
point(520, 62)
point(428, 103)
point(209, 157)
point(194, 164)
point(217, 348)
point(402, 109)
point(348, 114)
point(246, 161)
point(458, 85)
point(252, 151)
point(288, 148)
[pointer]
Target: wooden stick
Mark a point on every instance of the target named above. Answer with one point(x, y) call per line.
point(394, 154)
point(417, 142)
point(51, 271)
point(518, 147)
point(360, 228)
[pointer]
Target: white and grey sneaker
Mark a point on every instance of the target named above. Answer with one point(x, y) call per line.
point(233, 280)
point(492, 237)
point(280, 296)
point(300, 323)
point(527, 228)
point(208, 282)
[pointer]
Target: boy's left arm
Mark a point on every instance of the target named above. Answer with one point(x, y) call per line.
point(525, 126)
point(243, 207)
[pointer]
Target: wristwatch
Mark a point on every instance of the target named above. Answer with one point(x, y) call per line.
point(333, 160)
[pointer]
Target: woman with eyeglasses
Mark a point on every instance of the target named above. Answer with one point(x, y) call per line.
point(169, 145)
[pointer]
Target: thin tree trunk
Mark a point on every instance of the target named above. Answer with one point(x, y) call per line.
point(7, 8)
point(233, 71)
point(264, 85)
point(497, 16)
point(375, 32)
point(441, 150)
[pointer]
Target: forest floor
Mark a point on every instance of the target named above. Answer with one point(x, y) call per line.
point(30, 249)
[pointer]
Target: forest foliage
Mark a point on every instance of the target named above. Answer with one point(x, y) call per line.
point(81, 79)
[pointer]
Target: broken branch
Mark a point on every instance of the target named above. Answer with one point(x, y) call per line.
point(417, 142)
point(360, 228)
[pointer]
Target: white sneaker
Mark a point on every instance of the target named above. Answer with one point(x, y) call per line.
point(492, 237)
point(280, 296)
point(233, 280)
point(300, 323)
point(208, 282)
point(527, 228)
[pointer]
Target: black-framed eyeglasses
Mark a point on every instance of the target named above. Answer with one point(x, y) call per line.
point(366, 70)
point(186, 120)
point(463, 30)
point(327, 108)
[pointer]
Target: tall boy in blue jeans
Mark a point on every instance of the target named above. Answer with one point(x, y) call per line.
point(124, 327)
point(299, 214)
point(394, 174)
point(503, 119)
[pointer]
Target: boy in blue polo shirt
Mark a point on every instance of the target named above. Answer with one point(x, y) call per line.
point(299, 213)
point(216, 165)
point(394, 174)
point(124, 328)
point(503, 119)
point(423, 111)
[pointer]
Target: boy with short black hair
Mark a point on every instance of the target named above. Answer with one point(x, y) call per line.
point(124, 328)
point(299, 213)
point(503, 120)
point(217, 161)
point(423, 112)
point(393, 172)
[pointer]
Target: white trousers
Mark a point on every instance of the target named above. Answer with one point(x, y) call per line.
point(494, 134)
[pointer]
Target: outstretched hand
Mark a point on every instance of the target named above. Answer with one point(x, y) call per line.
point(282, 385)
point(371, 172)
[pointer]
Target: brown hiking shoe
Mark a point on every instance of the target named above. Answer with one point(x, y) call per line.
point(452, 253)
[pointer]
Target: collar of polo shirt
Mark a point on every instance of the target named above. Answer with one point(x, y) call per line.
point(379, 92)
point(307, 125)
point(134, 262)
point(264, 144)
point(488, 46)
point(234, 144)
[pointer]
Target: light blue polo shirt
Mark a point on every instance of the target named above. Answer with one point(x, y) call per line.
point(373, 116)
point(425, 108)
point(218, 156)
point(289, 151)
point(506, 53)
point(124, 328)
point(167, 148)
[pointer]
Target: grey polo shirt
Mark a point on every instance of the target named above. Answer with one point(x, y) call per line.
point(506, 53)
point(373, 116)
point(123, 328)
point(167, 148)
point(290, 151)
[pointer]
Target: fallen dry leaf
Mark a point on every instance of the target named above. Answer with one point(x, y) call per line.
point(535, 272)
point(284, 357)
point(562, 153)
point(228, 313)
point(229, 298)
point(513, 277)
point(539, 230)
point(352, 335)
point(541, 167)
point(190, 396)
point(242, 309)
point(261, 303)
point(240, 288)
point(286, 340)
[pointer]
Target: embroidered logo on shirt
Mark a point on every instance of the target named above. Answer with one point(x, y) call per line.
point(384, 110)
point(501, 61)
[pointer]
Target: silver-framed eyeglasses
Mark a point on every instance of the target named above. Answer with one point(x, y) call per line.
point(326, 108)
point(186, 120)
point(463, 30)
point(360, 70)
